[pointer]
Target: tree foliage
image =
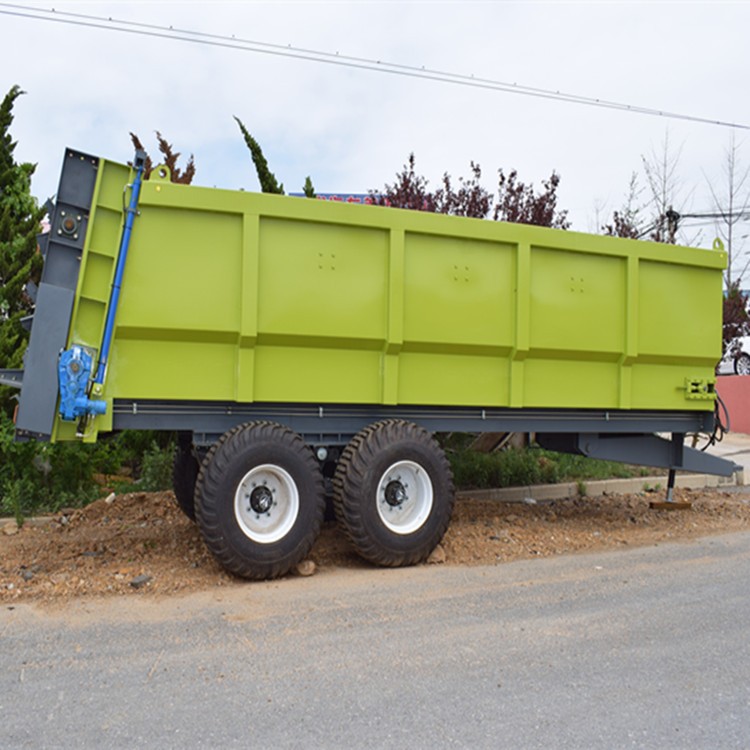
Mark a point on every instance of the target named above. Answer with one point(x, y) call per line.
point(662, 172)
point(735, 316)
point(308, 188)
point(469, 199)
point(178, 175)
point(267, 179)
point(408, 191)
point(731, 203)
point(516, 201)
point(656, 217)
point(622, 226)
point(20, 260)
point(626, 222)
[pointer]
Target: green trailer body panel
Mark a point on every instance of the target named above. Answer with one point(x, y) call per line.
point(244, 297)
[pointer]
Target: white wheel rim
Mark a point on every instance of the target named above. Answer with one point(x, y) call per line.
point(404, 497)
point(743, 365)
point(266, 503)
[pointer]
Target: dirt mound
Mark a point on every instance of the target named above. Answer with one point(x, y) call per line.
point(141, 544)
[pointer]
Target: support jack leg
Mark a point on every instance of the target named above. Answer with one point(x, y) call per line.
point(670, 503)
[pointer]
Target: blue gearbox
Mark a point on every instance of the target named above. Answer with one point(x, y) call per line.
point(74, 373)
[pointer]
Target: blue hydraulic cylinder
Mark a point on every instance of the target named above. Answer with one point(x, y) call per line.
point(114, 297)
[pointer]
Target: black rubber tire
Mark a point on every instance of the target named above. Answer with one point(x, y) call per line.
point(364, 462)
point(184, 476)
point(742, 364)
point(238, 452)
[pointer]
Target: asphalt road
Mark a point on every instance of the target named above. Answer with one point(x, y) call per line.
point(645, 648)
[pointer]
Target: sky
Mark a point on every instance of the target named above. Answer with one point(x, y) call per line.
point(352, 130)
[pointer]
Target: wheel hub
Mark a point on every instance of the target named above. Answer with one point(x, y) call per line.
point(266, 503)
point(404, 497)
point(395, 493)
point(261, 499)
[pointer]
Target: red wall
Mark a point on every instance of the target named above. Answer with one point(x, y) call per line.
point(735, 393)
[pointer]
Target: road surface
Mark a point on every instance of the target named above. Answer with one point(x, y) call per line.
point(644, 648)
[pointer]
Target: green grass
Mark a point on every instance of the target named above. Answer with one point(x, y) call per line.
point(519, 467)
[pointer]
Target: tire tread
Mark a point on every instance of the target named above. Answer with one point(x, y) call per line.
point(350, 498)
point(230, 447)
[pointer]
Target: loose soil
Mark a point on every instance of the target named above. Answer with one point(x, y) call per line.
point(141, 544)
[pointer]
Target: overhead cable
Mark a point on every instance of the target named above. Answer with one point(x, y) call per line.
point(347, 61)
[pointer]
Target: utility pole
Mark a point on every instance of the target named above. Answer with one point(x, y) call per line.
point(673, 219)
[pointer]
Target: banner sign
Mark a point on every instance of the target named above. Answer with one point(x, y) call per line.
point(340, 197)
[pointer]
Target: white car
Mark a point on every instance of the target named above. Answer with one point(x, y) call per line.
point(736, 359)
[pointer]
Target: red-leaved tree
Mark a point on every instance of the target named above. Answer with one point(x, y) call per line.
point(178, 175)
point(736, 318)
point(516, 201)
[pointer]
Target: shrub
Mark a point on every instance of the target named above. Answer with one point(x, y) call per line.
point(45, 477)
point(156, 472)
point(39, 477)
point(520, 467)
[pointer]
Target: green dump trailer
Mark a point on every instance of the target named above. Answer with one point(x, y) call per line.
point(288, 341)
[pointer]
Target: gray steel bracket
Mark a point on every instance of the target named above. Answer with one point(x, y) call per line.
point(11, 378)
point(641, 450)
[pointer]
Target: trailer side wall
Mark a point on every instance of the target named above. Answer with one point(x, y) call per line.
point(234, 296)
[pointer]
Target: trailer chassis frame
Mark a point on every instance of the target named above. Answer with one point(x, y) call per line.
point(618, 435)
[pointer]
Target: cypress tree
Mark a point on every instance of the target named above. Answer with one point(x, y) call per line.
point(308, 189)
point(267, 179)
point(20, 260)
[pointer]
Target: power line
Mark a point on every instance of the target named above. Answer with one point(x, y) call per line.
point(718, 215)
point(329, 58)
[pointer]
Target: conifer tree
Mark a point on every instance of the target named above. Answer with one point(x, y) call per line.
point(309, 189)
point(267, 179)
point(20, 261)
